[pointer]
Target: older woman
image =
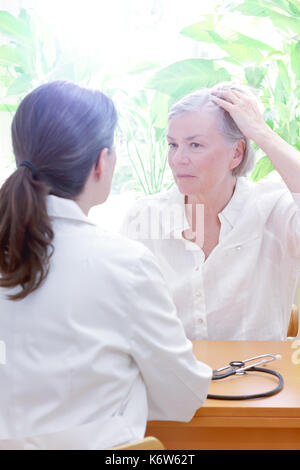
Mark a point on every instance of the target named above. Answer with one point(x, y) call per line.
point(228, 248)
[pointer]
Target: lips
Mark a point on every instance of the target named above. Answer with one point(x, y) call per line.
point(185, 176)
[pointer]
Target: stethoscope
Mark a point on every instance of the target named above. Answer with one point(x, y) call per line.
point(239, 368)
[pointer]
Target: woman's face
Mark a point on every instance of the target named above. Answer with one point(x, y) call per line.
point(199, 156)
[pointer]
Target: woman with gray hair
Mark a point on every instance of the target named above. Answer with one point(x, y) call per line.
point(228, 248)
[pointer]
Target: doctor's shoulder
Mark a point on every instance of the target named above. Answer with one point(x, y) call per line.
point(116, 250)
point(141, 208)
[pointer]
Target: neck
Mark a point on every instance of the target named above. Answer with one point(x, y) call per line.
point(215, 200)
point(213, 203)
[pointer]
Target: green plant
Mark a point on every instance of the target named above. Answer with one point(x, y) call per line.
point(27, 58)
point(272, 69)
point(32, 55)
point(143, 120)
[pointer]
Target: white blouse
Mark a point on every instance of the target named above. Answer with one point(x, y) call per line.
point(244, 290)
point(95, 351)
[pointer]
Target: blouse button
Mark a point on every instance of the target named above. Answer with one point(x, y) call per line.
point(238, 247)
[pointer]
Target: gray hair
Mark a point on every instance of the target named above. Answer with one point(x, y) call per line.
point(202, 98)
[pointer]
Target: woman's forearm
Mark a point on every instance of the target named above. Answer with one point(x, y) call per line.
point(285, 158)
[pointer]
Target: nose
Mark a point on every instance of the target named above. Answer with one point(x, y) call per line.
point(179, 156)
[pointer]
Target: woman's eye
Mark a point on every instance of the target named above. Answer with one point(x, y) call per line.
point(171, 145)
point(195, 145)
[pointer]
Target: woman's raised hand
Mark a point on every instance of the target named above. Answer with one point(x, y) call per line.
point(244, 111)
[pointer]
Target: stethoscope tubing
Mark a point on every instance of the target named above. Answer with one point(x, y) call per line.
point(252, 396)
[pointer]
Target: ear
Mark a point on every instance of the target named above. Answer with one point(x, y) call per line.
point(101, 164)
point(239, 151)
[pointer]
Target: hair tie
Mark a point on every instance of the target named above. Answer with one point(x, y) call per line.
point(31, 167)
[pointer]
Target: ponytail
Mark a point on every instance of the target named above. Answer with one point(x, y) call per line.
point(25, 233)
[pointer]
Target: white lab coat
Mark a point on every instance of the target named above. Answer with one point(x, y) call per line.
point(97, 350)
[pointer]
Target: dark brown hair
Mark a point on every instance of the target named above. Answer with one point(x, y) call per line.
point(60, 128)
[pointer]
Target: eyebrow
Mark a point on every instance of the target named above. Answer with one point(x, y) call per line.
point(187, 138)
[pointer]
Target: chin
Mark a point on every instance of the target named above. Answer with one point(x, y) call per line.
point(187, 187)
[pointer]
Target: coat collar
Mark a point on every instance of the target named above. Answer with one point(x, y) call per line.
point(63, 208)
point(229, 214)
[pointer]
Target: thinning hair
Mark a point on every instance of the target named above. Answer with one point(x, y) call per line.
point(202, 99)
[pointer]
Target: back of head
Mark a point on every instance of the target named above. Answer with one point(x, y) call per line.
point(58, 132)
point(201, 99)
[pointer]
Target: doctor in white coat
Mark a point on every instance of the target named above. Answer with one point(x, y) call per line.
point(93, 344)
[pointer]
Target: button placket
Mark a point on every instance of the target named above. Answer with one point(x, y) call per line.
point(200, 326)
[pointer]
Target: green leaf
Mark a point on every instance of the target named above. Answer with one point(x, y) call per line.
point(241, 53)
point(186, 76)
point(284, 111)
point(248, 41)
point(237, 51)
point(8, 108)
point(269, 117)
point(283, 131)
point(283, 84)
point(294, 7)
point(294, 131)
point(14, 27)
point(284, 75)
point(20, 85)
point(250, 8)
point(159, 110)
point(6, 80)
point(255, 75)
point(11, 56)
point(295, 59)
point(199, 31)
point(288, 6)
point(195, 30)
point(263, 167)
point(287, 23)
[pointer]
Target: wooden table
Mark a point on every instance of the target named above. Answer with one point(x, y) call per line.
point(265, 423)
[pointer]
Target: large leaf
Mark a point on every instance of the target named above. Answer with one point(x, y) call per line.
point(284, 75)
point(283, 84)
point(159, 110)
point(237, 51)
point(263, 9)
point(288, 6)
point(248, 41)
point(294, 7)
point(21, 84)
point(200, 31)
point(8, 108)
point(14, 27)
point(5, 80)
point(294, 131)
point(295, 59)
point(287, 23)
point(263, 167)
point(255, 75)
point(186, 76)
point(241, 53)
point(11, 56)
point(250, 8)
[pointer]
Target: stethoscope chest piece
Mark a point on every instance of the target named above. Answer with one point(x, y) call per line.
point(238, 365)
point(240, 368)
